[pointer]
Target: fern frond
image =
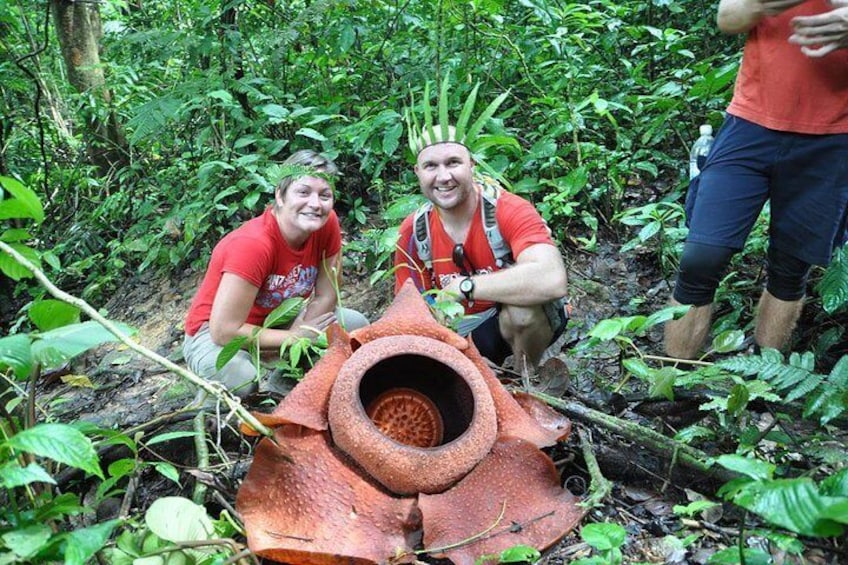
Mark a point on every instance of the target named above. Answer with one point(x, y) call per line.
point(833, 286)
point(838, 376)
point(805, 387)
point(786, 377)
point(827, 405)
point(151, 117)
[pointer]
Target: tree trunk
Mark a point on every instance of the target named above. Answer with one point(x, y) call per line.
point(79, 31)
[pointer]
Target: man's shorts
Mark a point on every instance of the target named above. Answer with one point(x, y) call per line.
point(805, 176)
point(484, 328)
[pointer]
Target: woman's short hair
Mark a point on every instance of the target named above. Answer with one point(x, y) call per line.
point(305, 158)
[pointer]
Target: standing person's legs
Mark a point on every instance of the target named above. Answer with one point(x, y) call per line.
point(809, 205)
point(721, 207)
point(701, 268)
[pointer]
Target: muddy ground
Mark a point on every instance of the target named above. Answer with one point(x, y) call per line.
point(129, 391)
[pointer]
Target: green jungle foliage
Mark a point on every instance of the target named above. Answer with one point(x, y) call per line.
point(203, 99)
point(604, 98)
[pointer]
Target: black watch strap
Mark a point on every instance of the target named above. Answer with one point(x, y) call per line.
point(466, 286)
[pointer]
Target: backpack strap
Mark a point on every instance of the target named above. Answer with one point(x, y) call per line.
point(490, 192)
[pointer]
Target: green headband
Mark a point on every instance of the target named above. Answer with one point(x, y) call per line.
point(277, 173)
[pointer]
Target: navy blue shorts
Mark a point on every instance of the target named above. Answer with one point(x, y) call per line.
point(805, 176)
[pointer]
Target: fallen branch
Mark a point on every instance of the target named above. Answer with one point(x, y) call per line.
point(601, 486)
point(656, 442)
point(212, 388)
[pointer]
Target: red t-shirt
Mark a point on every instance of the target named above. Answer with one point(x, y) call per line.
point(518, 221)
point(257, 252)
point(780, 88)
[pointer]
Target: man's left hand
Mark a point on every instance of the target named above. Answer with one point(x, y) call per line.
point(820, 34)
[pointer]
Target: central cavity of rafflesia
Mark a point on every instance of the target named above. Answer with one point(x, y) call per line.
point(412, 411)
point(408, 417)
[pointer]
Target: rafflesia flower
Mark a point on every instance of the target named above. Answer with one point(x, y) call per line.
point(402, 441)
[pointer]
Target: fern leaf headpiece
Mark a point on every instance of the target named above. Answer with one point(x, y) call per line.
point(424, 134)
point(296, 171)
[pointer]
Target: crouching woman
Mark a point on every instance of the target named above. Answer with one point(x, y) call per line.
point(291, 250)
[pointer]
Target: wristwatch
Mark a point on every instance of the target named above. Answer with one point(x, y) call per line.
point(466, 287)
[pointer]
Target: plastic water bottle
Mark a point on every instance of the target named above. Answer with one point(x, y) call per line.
point(700, 149)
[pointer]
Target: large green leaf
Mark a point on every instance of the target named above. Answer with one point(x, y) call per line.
point(229, 351)
point(51, 314)
point(731, 340)
point(794, 504)
point(53, 348)
point(603, 536)
point(28, 205)
point(607, 329)
point(59, 442)
point(14, 270)
point(66, 504)
point(748, 466)
point(13, 475)
point(284, 313)
point(730, 556)
point(662, 383)
point(26, 542)
point(178, 519)
point(16, 352)
point(83, 543)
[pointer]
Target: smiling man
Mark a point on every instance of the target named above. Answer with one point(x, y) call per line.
point(486, 248)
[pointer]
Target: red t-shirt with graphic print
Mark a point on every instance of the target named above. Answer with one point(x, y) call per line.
point(257, 252)
point(518, 221)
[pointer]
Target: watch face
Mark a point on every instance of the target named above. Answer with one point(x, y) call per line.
point(466, 286)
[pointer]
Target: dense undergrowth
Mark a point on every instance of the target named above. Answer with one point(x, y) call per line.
point(604, 99)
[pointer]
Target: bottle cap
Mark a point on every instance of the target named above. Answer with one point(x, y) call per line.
point(706, 129)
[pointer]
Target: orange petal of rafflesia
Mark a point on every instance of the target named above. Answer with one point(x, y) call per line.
point(316, 509)
point(306, 404)
point(546, 416)
point(408, 315)
point(515, 479)
point(513, 419)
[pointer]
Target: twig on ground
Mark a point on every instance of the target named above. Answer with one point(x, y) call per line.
point(202, 455)
point(600, 486)
point(124, 511)
point(214, 389)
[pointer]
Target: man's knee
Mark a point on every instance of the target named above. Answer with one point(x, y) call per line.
point(518, 319)
point(787, 275)
point(701, 269)
point(524, 324)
